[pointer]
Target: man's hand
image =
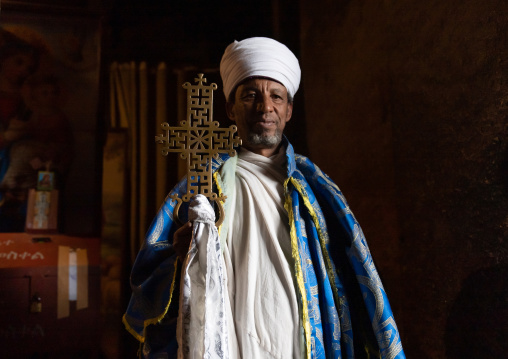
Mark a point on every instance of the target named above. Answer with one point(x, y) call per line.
point(181, 240)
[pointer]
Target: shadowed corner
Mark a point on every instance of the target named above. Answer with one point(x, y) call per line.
point(477, 325)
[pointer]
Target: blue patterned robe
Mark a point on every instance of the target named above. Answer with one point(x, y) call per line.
point(344, 309)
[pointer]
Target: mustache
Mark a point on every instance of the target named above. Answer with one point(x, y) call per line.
point(265, 118)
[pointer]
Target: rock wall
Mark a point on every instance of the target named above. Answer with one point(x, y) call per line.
point(406, 109)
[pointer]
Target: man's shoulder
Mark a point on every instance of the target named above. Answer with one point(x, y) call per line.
point(304, 163)
point(312, 173)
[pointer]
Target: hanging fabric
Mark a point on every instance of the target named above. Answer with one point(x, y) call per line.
point(130, 103)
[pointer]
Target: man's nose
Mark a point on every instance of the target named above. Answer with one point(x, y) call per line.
point(265, 104)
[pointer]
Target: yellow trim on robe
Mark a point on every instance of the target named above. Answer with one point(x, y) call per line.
point(298, 270)
point(132, 331)
point(329, 267)
point(219, 189)
point(155, 320)
point(296, 256)
point(160, 317)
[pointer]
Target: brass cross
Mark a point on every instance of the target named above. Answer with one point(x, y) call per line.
point(198, 139)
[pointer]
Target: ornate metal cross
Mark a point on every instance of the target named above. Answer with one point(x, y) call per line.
point(198, 139)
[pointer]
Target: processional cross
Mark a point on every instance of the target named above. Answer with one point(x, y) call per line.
point(198, 139)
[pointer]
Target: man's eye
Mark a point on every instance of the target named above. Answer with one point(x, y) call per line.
point(249, 96)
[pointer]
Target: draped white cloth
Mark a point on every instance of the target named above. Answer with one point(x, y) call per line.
point(241, 302)
point(259, 264)
point(202, 330)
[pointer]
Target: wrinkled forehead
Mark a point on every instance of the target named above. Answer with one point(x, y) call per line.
point(251, 81)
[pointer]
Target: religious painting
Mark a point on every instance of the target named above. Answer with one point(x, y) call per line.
point(45, 181)
point(49, 82)
point(42, 211)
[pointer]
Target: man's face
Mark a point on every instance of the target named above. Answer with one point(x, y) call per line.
point(260, 111)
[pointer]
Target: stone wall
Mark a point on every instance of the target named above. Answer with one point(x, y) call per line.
point(406, 109)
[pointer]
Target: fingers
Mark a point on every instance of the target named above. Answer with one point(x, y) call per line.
point(184, 230)
point(181, 240)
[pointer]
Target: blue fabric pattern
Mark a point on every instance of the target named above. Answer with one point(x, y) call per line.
point(347, 311)
point(4, 162)
point(376, 301)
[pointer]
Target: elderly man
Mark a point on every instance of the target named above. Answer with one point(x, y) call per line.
point(300, 280)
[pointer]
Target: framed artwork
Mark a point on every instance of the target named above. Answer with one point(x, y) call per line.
point(45, 180)
point(49, 91)
point(42, 212)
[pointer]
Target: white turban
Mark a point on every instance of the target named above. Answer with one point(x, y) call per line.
point(259, 56)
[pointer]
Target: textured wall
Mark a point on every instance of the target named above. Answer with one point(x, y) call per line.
point(406, 106)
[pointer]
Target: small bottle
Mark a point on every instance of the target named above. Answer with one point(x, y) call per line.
point(36, 303)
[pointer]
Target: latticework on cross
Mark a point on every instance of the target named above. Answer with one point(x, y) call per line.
point(198, 139)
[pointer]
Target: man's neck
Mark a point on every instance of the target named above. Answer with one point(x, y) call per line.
point(266, 152)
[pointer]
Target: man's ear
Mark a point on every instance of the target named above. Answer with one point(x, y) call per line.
point(230, 111)
point(290, 112)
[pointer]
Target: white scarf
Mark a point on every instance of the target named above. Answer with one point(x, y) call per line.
point(202, 331)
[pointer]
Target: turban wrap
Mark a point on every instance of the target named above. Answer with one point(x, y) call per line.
point(259, 57)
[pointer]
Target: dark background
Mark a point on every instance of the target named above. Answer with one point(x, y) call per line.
point(404, 104)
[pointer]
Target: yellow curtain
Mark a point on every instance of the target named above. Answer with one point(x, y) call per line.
point(130, 103)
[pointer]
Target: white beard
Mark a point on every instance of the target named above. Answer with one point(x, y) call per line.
point(265, 140)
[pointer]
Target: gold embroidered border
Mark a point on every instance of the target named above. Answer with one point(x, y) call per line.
point(219, 189)
point(299, 275)
point(326, 256)
point(155, 320)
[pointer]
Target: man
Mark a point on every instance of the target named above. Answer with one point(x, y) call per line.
point(300, 279)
